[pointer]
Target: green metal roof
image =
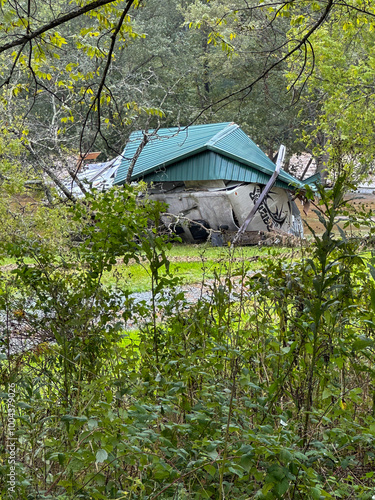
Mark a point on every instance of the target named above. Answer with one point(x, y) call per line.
point(313, 180)
point(210, 166)
point(200, 152)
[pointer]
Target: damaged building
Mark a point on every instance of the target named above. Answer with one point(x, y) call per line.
point(211, 176)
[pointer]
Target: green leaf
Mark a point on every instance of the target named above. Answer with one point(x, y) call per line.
point(276, 473)
point(92, 424)
point(282, 487)
point(267, 487)
point(210, 469)
point(315, 493)
point(213, 454)
point(22, 404)
point(237, 470)
point(362, 343)
point(285, 456)
point(101, 455)
point(161, 472)
point(327, 393)
point(309, 348)
point(339, 362)
point(247, 461)
point(67, 418)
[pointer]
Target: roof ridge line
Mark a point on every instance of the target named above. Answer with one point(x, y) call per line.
point(223, 133)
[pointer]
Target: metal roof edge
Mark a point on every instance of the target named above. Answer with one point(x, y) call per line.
point(311, 180)
point(240, 159)
point(108, 165)
point(284, 178)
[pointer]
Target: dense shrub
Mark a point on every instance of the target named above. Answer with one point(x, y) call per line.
point(263, 388)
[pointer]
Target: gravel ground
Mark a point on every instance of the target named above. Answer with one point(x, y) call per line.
point(21, 341)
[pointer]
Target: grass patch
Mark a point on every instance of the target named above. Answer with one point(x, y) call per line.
point(191, 263)
point(10, 261)
point(207, 251)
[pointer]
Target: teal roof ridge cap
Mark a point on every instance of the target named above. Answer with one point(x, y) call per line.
point(223, 133)
point(176, 130)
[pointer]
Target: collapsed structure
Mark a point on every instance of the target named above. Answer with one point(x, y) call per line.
point(211, 176)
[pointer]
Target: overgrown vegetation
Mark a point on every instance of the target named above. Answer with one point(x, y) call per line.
point(190, 263)
point(262, 388)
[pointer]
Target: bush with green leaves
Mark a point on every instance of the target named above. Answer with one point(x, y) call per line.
point(262, 388)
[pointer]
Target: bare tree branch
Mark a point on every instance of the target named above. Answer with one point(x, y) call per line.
point(301, 43)
point(22, 40)
point(105, 72)
point(136, 156)
point(357, 9)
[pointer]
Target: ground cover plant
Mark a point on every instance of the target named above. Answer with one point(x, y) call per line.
point(262, 388)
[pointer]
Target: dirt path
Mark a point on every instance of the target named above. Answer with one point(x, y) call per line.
point(358, 201)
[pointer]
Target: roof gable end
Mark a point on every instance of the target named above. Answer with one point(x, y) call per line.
point(165, 147)
point(170, 145)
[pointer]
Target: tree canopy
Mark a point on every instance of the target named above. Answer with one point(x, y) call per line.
point(81, 76)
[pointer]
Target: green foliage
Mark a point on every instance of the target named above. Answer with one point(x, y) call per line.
point(23, 210)
point(262, 388)
point(335, 78)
